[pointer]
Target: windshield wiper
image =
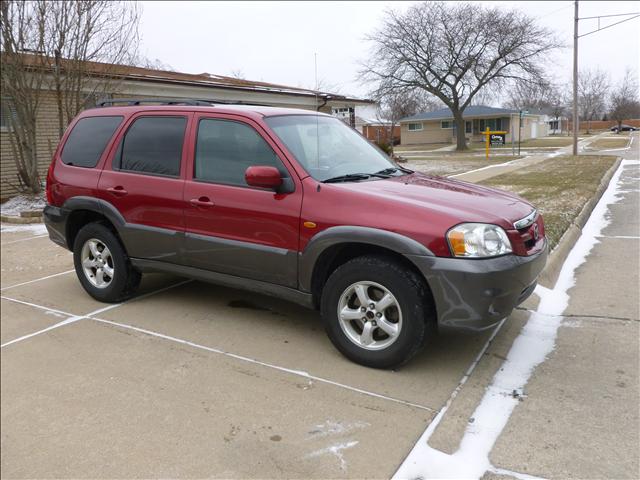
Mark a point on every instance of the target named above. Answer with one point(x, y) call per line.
point(390, 170)
point(355, 176)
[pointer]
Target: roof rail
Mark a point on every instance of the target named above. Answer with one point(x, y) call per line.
point(173, 101)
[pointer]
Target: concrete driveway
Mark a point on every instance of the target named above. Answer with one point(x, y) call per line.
point(190, 379)
point(195, 380)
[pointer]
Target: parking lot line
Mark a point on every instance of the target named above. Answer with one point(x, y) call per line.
point(36, 280)
point(40, 307)
point(299, 373)
point(44, 330)
point(24, 239)
point(72, 317)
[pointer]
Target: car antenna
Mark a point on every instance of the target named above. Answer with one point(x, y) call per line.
point(315, 60)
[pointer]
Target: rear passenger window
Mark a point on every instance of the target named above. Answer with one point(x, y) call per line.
point(153, 145)
point(225, 149)
point(88, 139)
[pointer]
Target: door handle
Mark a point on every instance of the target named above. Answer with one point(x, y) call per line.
point(118, 191)
point(201, 202)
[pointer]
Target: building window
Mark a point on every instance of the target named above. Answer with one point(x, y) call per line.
point(415, 127)
point(446, 124)
point(7, 112)
point(498, 124)
point(468, 127)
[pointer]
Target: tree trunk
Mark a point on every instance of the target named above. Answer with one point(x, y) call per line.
point(461, 139)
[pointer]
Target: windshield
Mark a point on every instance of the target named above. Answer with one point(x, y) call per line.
point(327, 148)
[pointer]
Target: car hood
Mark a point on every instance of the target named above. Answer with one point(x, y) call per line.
point(461, 201)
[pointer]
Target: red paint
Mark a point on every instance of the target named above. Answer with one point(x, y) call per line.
point(418, 206)
point(263, 177)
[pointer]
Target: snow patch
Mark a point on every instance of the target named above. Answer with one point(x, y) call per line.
point(34, 228)
point(530, 348)
point(22, 203)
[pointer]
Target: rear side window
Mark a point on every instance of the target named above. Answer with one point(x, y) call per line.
point(153, 145)
point(88, 139)
point(225, 149)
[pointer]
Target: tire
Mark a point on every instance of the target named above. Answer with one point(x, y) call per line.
point(118, 280)
point(410, 311)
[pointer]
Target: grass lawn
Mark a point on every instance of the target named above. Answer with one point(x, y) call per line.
point(606, 143)
point(423, 147)
point(558, 187)
point(451, 164)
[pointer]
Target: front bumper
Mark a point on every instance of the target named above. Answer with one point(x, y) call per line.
point(478, 293)
point(55, 219)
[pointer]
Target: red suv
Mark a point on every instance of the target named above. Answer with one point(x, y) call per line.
point(290, 203)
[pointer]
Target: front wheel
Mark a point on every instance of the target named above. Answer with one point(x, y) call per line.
point(376, 311)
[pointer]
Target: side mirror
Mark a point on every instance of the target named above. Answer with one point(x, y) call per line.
point(263, 177)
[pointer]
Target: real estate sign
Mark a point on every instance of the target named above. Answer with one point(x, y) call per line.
point(497, 139)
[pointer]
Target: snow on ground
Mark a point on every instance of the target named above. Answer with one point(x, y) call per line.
point(34, 228)
point(21, 203)
point(530, 348)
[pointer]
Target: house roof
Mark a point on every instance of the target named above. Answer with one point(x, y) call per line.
point(128, 72)
point(470, 111)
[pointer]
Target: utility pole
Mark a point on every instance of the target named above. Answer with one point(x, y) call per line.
point(575, 80)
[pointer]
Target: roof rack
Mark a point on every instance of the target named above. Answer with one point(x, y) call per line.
point(172, 101)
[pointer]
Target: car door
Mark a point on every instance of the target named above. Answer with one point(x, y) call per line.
point(144, 182)
point(231, 227)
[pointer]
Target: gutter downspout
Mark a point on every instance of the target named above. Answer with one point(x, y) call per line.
point(325, 99)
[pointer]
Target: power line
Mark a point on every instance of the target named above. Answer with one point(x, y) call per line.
point(604, 28)
point(615, 15)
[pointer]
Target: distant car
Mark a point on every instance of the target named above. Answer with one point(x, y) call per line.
point(624, 128)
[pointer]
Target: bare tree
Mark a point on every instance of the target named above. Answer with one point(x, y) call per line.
point(624, 99)
point(529, 96)
point(52, 47)
point(593, 86)
point(453, 51)
point(394, 106)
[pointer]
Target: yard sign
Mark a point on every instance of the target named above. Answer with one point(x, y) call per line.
point(495, 137)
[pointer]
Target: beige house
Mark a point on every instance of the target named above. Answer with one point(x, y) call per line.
point(137, 82)
point(439, 127)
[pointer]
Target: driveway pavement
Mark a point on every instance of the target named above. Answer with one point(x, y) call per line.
point(194, 380)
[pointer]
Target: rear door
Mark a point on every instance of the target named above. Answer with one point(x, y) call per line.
point(231, 227)
point(144, 181)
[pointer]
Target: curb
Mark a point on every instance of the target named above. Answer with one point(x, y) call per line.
point(21, 220)
point(551, 272)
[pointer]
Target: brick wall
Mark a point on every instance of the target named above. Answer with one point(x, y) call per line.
point(46, 141)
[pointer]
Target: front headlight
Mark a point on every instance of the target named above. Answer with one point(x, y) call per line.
point(478, 240)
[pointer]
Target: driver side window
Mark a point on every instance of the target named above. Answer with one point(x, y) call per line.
point(226, 148)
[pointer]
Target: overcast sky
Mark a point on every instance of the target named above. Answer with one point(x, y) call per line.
point(276, 41)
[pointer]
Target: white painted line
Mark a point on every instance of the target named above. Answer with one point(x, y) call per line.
point(530, 349)
point(40, 307)
point(299, 373)
point(518, 475)
point(36, 280)
point(74, 318)
point(57, 325)
point(148, 294)
point(630, 237)
point(23, 239)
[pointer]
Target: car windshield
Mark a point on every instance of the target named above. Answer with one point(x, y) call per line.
point(329, 150)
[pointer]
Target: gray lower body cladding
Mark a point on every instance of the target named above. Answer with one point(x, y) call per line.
point(478, 293)
point(468, 293)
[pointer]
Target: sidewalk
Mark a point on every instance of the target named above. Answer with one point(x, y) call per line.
point(580, 416)
point(555, 392)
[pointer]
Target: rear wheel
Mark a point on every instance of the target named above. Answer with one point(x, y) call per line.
point(375, 311)
point(102, 265)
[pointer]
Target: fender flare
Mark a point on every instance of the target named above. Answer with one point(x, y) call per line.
point(96, 205)
point(332, 236)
